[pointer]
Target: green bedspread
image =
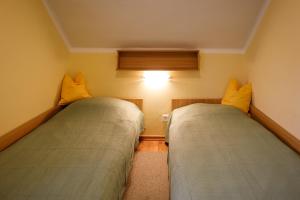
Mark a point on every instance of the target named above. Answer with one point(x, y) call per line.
point(83, 153)
point(217, 152)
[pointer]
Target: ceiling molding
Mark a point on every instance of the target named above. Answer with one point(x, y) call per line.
point(57, 25)
point(93, 50)
point(114, 50)
point(222, 51)
point(254, 30)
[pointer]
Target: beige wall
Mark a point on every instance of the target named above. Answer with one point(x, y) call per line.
point(274, 62)
point(32, 62)
point(209, 82)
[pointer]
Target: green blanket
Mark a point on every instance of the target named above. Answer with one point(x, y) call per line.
point(83, 153)
point(216, 152)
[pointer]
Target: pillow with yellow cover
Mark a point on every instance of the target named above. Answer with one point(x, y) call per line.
point(239, 97)
point(73, 90)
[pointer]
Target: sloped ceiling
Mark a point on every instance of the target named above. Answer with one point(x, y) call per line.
point(191, 24)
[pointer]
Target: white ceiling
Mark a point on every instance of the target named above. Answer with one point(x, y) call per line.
point(201, 24)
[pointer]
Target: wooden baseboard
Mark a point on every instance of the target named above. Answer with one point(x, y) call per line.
point(19, 132)
point(279, 131)
point(152, 138)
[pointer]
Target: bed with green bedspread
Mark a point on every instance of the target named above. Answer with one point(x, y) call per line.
point(83, 153)
point(216, 152)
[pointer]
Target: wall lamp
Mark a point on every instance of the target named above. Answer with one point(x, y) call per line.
point(156, 79)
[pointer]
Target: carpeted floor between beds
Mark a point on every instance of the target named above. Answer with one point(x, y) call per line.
point(149, 177)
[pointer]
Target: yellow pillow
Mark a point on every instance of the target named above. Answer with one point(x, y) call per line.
point(73, 90)
point(239, 97)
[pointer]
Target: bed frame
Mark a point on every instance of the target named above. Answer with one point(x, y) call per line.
point(256, 114)
point(24, 129)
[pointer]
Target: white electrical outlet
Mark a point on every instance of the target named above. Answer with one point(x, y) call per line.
point(165, 117)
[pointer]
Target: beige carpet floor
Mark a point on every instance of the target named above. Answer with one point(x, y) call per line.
point(149, 177)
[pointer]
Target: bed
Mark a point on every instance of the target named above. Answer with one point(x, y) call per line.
point(84, 152)
point(217, 152)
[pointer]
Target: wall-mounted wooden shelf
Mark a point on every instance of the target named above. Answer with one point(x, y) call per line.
point(158, 60)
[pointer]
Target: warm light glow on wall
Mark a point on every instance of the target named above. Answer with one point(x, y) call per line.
point(156, 79)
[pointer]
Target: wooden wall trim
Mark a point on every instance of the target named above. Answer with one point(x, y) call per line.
point(177, 103)
point(19, 132)
point(274, 127)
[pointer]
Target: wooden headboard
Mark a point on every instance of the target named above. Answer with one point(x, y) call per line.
point(256, 114)
point(19, 132)
point(177, 103)
point(137, 102)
